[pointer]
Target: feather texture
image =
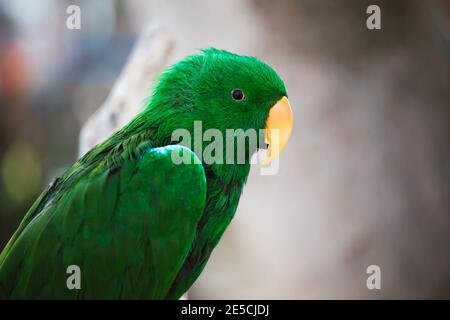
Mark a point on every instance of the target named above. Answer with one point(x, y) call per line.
point(138, 225)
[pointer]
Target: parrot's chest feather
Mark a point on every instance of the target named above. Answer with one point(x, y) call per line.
point(222, 200)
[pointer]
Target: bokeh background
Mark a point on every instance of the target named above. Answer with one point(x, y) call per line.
point(364, 179)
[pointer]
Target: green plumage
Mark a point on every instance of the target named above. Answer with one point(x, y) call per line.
point(138, 225)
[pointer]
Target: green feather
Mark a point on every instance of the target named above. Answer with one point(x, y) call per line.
point(138, 225)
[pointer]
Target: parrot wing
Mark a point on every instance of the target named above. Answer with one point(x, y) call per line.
point(128, 227)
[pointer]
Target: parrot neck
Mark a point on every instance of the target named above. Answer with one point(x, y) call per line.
point(161, 131)
point(228, 174)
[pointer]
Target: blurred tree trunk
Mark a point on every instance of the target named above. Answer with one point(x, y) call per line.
point(127, 96)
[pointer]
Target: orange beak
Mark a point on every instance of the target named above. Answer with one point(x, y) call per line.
point(278, 129)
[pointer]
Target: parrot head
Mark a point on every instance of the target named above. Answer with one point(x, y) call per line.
point(224, 91)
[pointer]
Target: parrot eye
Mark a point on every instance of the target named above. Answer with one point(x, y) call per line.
point(238, 94)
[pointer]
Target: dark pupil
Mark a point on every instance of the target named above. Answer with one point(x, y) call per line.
point(237, 94)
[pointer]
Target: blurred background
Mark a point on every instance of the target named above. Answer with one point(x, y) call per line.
point(364, 179)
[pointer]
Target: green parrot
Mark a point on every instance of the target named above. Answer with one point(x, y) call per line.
point(135, 223)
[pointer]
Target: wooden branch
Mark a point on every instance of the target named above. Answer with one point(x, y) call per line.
point(147, 59)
